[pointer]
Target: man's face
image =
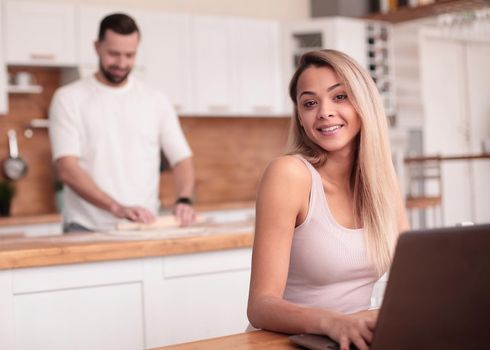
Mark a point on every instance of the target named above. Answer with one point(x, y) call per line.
point(117, 54)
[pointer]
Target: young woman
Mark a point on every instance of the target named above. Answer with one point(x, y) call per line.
point(328, 213)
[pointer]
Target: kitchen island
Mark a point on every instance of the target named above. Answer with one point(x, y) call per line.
point(126, 290)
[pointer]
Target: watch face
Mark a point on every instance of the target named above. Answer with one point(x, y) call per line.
point(15, 168)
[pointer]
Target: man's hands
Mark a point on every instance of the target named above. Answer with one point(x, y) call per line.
point(184, 213)
point(137, 214)
point(354, 329)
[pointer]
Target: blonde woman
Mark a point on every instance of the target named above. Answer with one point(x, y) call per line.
point(328, 213)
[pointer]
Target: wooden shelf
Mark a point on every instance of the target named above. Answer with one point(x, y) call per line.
point(30, 89)
point(421, 159)
point(423, 202)
point(412, 13)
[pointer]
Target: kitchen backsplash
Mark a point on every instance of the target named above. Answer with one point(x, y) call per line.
point(230, 153)
point(35, 191)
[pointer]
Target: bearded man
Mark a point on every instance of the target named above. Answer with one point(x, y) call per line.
point(107, 132)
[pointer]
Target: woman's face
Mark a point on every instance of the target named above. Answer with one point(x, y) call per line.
point(324, 110)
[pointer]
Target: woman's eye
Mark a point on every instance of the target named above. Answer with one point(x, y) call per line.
point(341, 97)
point(309, 104)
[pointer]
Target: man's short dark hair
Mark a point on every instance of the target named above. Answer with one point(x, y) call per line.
point(119, 23)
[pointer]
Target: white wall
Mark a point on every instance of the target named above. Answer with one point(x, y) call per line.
point(273, 9)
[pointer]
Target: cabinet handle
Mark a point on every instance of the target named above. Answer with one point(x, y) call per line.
point(262, 109)
point(218, 108)
point(43, 56)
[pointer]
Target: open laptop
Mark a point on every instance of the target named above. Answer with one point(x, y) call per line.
point(437, 296)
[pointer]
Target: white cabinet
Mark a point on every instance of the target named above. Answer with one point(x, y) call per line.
point(39, 33)
point(236, 66)
point(212, 64)
point(88, 23)
point(207, 65)
point(82, 306)
point(3, 71)
point(368, 42)
point(197, 296)
point(166, 38)
point(129, 304)
point(256, 67)
point(338, 33)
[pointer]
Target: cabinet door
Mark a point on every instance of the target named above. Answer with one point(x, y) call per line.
point(211, 54)
point(256, 67)
point(40, 33)
point(349, 35)
point(89, 22)
point(445, 121)
point(478, 70)
point(78, 306)
point(3, 72)
point(167, 59)
point(196, 296)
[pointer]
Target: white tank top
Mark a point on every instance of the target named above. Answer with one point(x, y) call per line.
point(329, 266)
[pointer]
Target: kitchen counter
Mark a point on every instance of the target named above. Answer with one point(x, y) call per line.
point(127, 289)
point(257, 340)
point(18, 251)
point(142, 286)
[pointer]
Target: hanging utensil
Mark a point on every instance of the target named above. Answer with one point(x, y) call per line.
point(14, 167)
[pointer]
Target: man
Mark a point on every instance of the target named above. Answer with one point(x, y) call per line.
point(106, 133)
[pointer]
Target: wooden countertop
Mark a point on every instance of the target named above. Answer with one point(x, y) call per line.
point(23, 251)
point(257, 340)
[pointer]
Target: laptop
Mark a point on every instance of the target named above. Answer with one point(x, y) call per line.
point(437, 296)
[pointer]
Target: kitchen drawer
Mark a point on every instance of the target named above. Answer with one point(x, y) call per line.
point(206, 263)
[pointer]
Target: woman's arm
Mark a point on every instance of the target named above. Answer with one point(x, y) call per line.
point(282, 204)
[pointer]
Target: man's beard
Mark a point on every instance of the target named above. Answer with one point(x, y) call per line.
point(111, 78)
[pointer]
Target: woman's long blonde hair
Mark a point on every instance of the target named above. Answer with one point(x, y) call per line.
point(373, 178)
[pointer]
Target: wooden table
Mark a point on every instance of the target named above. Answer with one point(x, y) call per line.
point(257, 340)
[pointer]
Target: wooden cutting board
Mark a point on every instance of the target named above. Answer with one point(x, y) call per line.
point(167, 221)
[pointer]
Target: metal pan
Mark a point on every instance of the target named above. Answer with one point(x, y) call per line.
point(14, 167)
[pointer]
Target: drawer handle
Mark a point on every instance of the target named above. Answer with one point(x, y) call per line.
point(218, 108)
point(262, 109)
point(43, 56)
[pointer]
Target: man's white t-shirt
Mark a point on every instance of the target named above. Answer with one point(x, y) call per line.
point(117, 134)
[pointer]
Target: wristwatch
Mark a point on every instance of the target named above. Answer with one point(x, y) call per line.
point(183, 200)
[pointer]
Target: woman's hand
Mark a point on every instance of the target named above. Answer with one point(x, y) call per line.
point(354, 329)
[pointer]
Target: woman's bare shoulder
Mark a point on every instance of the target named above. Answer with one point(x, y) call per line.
point(288, 167)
